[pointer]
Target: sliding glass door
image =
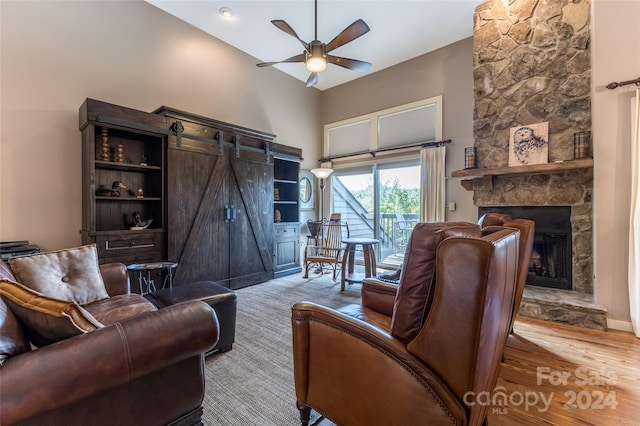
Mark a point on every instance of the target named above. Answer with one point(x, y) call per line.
point(376, 185)
point(353, 196)
point(382, 202)
point(399, 210)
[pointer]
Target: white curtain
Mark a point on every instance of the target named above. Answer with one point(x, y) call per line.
point(634, 225)
point(433, 183)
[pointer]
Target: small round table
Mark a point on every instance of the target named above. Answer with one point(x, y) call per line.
point(348, 260)
point(145, 281)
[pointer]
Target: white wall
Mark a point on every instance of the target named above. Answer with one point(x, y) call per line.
point(54, 54)
point(616, 57)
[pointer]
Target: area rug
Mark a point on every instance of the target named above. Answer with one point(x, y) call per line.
point(253, 383)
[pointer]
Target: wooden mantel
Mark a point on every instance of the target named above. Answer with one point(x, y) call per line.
point(487, 174)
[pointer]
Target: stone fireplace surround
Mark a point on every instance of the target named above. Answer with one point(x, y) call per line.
point(532, 64)
point(572, 189)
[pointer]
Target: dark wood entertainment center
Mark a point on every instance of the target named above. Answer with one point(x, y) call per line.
point(211, 190)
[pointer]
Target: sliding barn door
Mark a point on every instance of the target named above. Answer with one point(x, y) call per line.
point(251, 236)
point(219, 215)
point(197, 192)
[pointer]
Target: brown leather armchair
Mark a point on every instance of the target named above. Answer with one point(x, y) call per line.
point(419, 352)
point(489, 222)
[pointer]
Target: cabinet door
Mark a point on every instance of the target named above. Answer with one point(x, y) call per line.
point(198, 237)
point(286, 248)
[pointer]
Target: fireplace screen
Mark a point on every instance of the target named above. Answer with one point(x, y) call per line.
point(550, 264)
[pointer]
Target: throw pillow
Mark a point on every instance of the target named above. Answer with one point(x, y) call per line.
point(13, 341)
point(5, 271)
point(46, 319)
point(70, 274)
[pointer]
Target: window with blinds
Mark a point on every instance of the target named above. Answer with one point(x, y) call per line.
point(404, 125)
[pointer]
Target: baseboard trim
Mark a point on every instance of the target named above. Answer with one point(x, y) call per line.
point(620, 325)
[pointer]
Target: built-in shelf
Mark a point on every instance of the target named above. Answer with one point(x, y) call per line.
point(109, 198)
point(286, 195)
point(125, 166)
point(487, 174)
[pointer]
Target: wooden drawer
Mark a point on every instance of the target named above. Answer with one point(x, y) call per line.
point(287, 231)
point(130, 247)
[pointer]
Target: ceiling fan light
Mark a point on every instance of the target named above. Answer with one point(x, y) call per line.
point(316, 63)
point(316, 58)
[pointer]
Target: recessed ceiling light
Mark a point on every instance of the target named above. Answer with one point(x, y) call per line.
point(226, 12)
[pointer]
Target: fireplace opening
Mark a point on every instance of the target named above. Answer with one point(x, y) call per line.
point(550, 264)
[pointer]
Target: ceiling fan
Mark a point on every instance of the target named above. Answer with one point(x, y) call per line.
point(316, 54)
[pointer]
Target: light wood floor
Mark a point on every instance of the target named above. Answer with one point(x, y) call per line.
point(579, 377)
point(569, 375)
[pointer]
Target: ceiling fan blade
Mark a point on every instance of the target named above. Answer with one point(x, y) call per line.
point(312, 80)
point(298, 58)
point(352, 32)
point(352, 64)
point(283, 26)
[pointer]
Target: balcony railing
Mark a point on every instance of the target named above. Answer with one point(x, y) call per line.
point(393, 234)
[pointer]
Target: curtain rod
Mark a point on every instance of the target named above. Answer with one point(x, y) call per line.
point(623, 83)
point(377, 151)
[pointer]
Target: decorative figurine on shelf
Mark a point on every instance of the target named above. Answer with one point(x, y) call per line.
point(140, 193)
point(105, 144)
point(103, 192)
point(138, 223)
point(119, 153)
point(277, 216)
point(116, 187)
point(143, 160)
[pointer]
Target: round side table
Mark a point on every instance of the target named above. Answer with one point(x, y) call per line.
point(145, 276)
point(348, 260)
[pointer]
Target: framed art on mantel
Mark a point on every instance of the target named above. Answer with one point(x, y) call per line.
point(306, 190)
point(529, 144)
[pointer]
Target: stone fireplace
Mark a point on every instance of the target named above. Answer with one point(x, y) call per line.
point(532, 65)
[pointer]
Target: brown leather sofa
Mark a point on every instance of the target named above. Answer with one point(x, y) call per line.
point(144, 367)
point(420, 352)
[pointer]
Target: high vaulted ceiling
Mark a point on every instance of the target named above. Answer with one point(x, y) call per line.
point(400, 30)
